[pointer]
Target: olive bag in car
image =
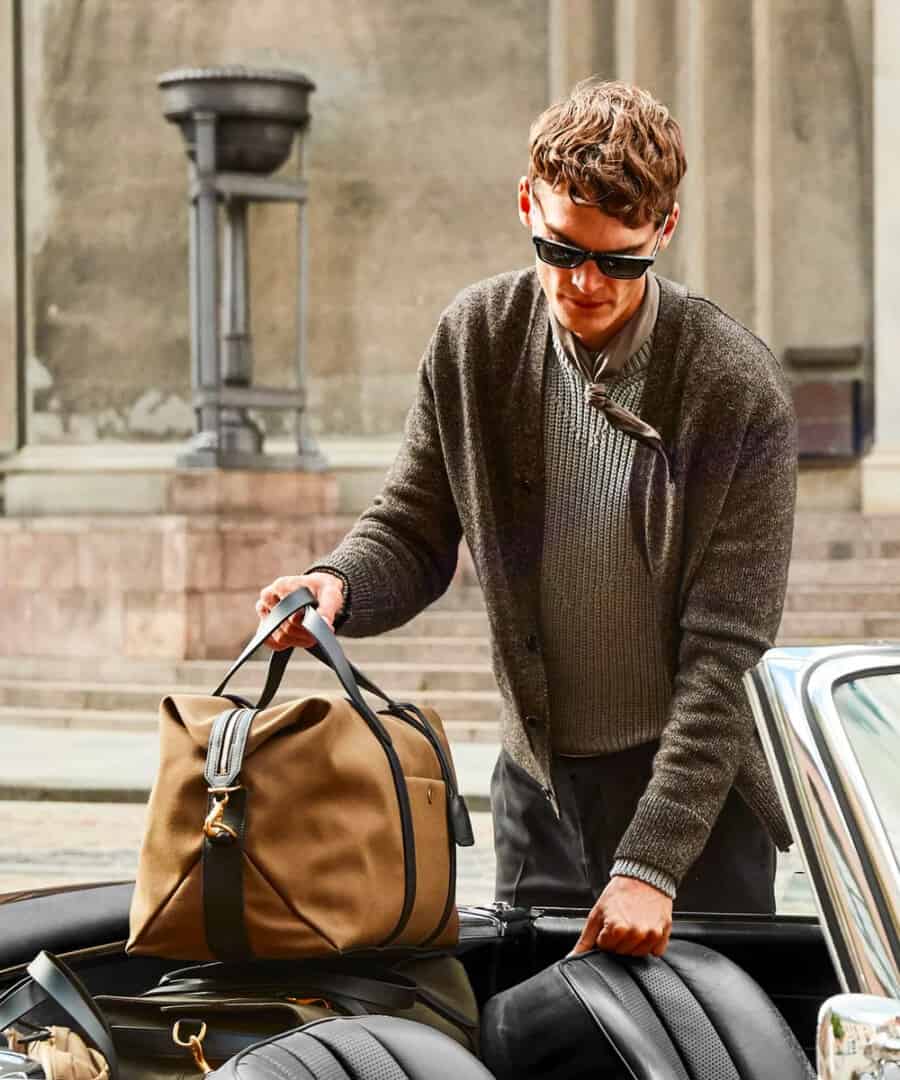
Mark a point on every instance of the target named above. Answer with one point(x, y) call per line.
point(302, 829)
point(200, 1017)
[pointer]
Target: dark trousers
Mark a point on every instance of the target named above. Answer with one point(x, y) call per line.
point(545, 861)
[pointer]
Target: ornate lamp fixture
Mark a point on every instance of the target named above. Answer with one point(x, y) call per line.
point(239, 126)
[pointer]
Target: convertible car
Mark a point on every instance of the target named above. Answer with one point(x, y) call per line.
point(829, 720)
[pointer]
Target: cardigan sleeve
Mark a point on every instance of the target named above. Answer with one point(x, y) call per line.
point(730, 614)
point(401, 554)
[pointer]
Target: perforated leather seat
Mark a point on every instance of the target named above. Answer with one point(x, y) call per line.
point(356, 1048)
point(691, 1015)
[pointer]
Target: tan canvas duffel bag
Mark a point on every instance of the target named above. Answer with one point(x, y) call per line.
point(302, 829)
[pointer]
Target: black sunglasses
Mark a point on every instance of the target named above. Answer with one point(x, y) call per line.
point(568, 257)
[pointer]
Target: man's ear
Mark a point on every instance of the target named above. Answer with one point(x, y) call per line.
point(671, 225)
point(525, 202)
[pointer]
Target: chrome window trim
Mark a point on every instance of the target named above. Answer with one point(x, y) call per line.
point(812, 761)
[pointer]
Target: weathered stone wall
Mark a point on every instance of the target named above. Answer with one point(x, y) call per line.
point(822, 281)
point(418, 136)
point(419, 133)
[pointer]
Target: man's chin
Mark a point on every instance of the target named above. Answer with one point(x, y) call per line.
point(587, 324)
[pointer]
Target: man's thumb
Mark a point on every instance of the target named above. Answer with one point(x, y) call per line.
point(331, 599)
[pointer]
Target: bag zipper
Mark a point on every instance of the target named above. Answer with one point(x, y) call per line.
point(225, 750)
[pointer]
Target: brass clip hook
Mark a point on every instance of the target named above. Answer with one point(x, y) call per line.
point(214, 826)
point(194, 1043)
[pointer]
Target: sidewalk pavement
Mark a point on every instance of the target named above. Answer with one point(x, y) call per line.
point(58, 764)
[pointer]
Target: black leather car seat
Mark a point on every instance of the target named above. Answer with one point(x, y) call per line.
point(355, 1048)
point(691, 1015)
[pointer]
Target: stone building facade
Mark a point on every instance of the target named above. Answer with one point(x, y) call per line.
point(419, 133)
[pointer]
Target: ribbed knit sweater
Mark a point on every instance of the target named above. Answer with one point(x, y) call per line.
point(606, 668)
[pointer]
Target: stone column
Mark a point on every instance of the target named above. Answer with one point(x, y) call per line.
point(582, 41)
point(881, 469)
point(9, 344)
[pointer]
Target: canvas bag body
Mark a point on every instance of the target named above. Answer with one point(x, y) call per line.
point(324, 866)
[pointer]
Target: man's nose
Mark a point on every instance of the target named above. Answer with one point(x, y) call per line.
point(588, 277)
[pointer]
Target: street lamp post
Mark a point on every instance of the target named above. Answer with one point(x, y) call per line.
point(239, 126)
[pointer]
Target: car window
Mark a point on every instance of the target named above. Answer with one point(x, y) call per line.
point(793, 894)
point(869, 709)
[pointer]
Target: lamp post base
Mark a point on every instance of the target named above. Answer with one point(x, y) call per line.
point(192, 458)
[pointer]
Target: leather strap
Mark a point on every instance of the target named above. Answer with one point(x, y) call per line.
point(223, 881)
point(149, 1043)
point(382, 989)
point(282, 611)
point(327, 644)
point(52, 980)
point(222, 853)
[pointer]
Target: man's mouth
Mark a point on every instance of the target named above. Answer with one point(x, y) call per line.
point(587, 304)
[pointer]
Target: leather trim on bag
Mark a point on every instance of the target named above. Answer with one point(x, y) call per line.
point(409, 843)
point(223, 883)
point(424, 727)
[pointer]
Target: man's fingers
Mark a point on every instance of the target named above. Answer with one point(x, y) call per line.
point(588, 939)
point(611, 935)
point(331, 599)
point(635, 941)
point(663, 942)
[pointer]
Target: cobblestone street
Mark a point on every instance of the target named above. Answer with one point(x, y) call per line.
point(55, 843)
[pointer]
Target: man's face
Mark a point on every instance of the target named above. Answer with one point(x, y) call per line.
point(594, 307)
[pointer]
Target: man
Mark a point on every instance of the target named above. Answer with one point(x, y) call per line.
point(620, 457)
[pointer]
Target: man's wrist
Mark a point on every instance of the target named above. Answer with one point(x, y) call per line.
point(659, 879)
point(344, 614)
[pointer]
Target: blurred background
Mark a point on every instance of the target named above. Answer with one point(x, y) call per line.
point(418, 135)
point(123, 572)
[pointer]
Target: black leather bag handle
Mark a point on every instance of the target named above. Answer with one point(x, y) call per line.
point(51, 979)
point(326, 649)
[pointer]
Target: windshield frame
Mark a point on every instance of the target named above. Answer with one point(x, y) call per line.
point(849, 860)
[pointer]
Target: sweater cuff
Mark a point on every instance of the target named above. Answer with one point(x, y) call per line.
point(659, 879)
point(324, 568)
point(665, 834)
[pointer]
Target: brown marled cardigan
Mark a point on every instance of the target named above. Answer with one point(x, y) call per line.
point(714, 524)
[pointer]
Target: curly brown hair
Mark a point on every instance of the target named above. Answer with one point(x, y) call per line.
point(613, 146)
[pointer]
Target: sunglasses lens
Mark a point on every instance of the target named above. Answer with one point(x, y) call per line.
point(556, 255)
point(623, 268)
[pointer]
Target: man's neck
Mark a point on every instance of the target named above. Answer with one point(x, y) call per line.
point(599, 345)
point(625, 342)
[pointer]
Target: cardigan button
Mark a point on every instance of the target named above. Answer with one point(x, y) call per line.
point(532, 721)
point(531, 643)
point(525, 484)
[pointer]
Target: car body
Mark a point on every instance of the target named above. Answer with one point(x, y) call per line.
point(829, 719)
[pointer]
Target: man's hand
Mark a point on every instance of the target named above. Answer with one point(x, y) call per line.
point(326, 588)
point(630, 917)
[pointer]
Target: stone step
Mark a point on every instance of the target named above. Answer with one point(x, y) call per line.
point(819, 627)
point(834, 573)
point(414, 679)
point(844, 535)
point(849, 599)
point(366, 653)
point(468, 716)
